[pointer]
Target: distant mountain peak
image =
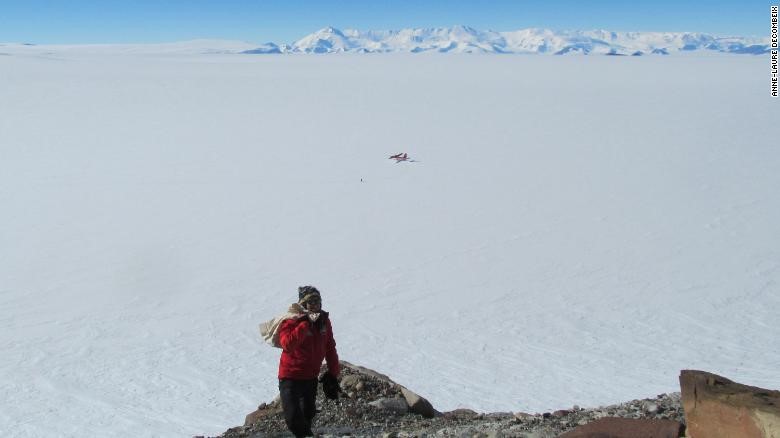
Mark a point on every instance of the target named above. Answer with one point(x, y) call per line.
point(330, 30)
point(465, 39)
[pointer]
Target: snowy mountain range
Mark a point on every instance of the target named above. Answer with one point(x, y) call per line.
point(464, 39)
point(457, 39)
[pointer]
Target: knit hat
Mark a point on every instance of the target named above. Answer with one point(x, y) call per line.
point(305, 293)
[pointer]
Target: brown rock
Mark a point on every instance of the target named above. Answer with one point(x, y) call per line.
point(461, 413)
point(523, 416)
point(614, 427)
point(261, 412)
point(717, 407)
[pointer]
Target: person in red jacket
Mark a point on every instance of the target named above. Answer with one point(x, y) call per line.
point(305, 340)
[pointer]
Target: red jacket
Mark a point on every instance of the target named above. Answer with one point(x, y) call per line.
point(304, 346)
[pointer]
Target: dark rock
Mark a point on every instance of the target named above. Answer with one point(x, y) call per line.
point(499, 415)
point(418, 404)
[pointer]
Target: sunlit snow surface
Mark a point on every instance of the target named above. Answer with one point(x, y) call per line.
point(575, 231)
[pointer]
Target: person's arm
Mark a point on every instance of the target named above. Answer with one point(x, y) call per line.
point(331, 356)
point(292, 333)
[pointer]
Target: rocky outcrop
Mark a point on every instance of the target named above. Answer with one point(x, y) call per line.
point(716, 407)
point(373, 405)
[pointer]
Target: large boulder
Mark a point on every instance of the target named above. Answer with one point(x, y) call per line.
point(614, 427)
point(418, 404)
point(716, 407)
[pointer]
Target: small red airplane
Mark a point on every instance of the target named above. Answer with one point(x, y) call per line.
point(400, 157)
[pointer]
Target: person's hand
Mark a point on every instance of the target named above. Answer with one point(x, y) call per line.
point(330, 386)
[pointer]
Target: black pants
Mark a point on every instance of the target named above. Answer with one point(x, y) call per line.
point(298, 403)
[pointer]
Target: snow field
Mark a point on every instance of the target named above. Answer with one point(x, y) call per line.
point(576, 231)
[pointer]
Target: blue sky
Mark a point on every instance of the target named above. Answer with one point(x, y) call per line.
point(283, 21)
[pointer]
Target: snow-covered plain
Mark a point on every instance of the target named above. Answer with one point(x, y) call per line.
point(576, 231)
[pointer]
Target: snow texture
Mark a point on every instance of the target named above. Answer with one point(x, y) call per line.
point(576, 231)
